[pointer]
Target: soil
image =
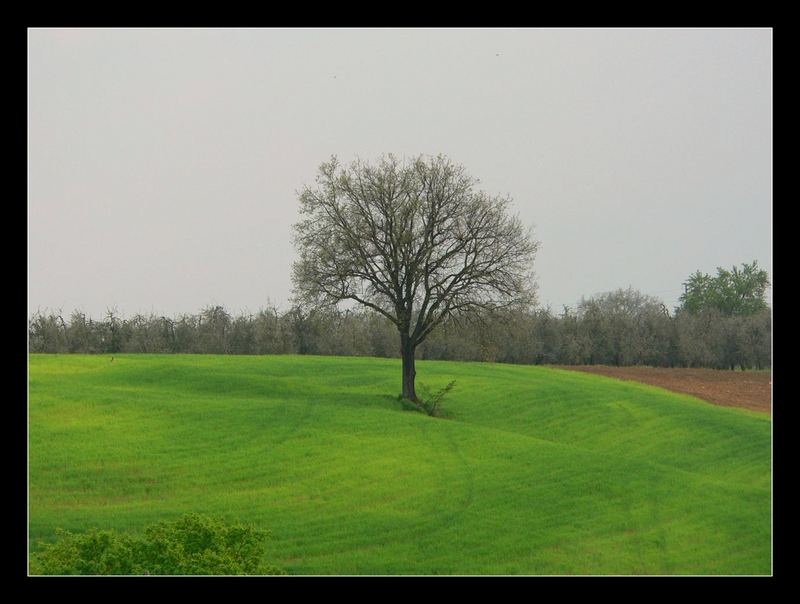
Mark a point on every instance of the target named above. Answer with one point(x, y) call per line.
point(746, 389)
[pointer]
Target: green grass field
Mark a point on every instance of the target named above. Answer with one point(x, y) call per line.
point(536, 471)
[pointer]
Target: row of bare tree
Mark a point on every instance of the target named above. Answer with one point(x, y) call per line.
point(618, 328)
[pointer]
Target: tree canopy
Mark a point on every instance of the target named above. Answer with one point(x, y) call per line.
point(740, 291)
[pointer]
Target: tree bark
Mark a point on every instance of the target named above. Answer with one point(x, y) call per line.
point(409, 372)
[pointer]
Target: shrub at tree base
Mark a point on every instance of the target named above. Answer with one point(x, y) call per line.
point(192, 545)
point(431, 403)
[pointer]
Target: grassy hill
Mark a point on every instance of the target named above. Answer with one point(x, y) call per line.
point(536, 471)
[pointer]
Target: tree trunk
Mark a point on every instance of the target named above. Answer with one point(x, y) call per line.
point(409, 372)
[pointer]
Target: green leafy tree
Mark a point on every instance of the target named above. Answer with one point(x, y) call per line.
point(191, 545)
point(740, 291)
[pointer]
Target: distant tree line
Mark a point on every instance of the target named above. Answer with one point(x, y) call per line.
point(623, 327)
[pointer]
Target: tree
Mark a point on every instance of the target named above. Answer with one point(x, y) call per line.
point(415, 242)
point(734, 292)
point(622, 325)
point(193, 544)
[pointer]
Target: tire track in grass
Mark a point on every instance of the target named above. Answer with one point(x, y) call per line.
point(447, 519)
point(635, 534)
point(420, 530)
point(291, 424)
point(469, 477)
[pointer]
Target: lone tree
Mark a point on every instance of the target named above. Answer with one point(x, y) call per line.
point(413, 241)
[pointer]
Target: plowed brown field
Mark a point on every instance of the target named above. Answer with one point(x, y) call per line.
point(747, 389)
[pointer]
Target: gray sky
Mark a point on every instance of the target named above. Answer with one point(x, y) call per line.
point(164, 164)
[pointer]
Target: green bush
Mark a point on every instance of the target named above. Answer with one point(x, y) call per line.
point(431, 402)
point(192, 545)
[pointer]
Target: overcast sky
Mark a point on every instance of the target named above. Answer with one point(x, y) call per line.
point(164, 164)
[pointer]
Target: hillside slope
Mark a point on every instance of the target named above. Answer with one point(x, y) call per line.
point(536, 471)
